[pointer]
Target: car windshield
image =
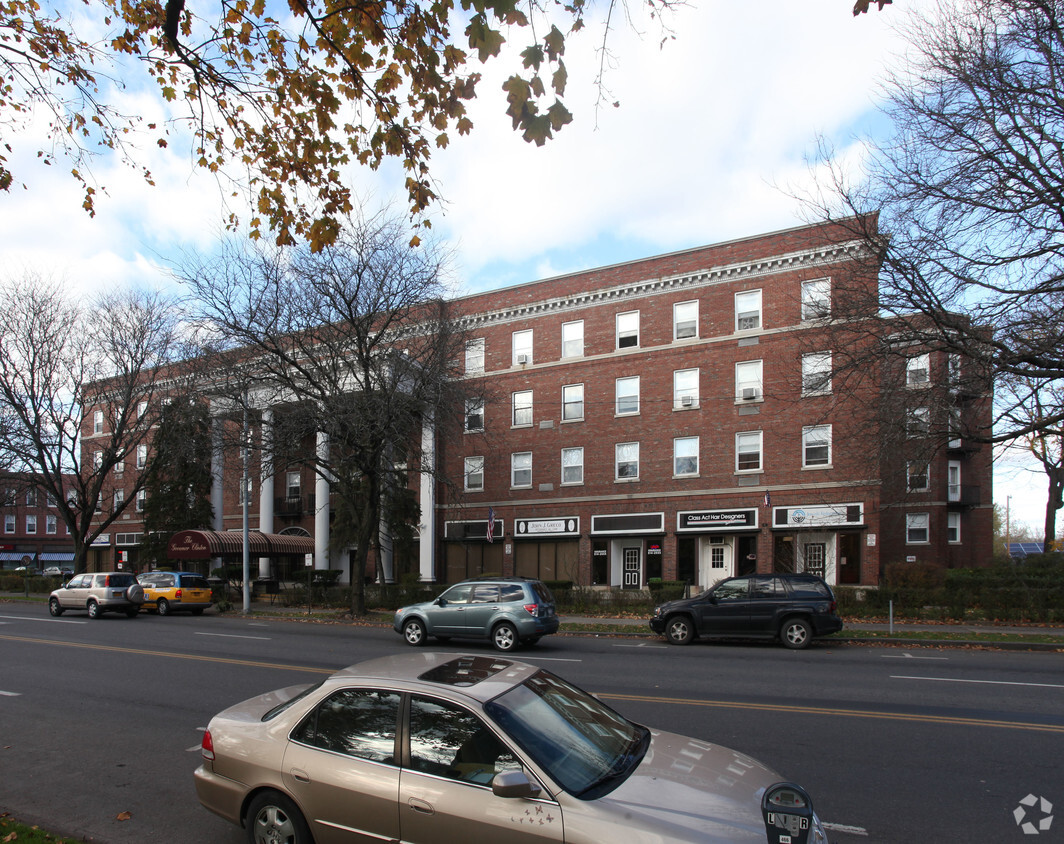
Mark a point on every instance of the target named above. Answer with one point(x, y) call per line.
point(586, 747)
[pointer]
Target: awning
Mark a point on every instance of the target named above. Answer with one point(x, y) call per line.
point(15, 556)
point(205, 544)
point(57, 557)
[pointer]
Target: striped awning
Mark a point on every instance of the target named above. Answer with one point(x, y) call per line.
point(205, 544)
point(57, 557)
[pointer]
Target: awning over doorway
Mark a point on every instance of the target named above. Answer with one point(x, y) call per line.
point(205, 544)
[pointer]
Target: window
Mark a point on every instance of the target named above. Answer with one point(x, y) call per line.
point(448, 741)
point(685, 456)
point(816, 299)
point(573, 339)
point(97, 460)
point(9, 523)
point(954, 423)
point(521, 469)
point(522, 409)
point(142, 499)
point(953, 370)
point(474, 357)
point(628, 330)
point(474, 474)
point(816, 373)
point(142, 408)
point(97, 421)
point(627, 396)
point(355, 722)
point(474, 415)
point(142, 456)
point(748, 383)
point(626, 461)
point(522, 347)
point(953, 528)
point(293, 483)
point(916, 530)
point(572, 465)
point(120, 497)
point(31, 524)
point(51, 524)
point(748, 451)
point(953, 493)
point(917, 370)
point(684, 320)
point(9, 498)
point(572, 402)
point(917, 421)
point(120, 466)
point(748, 310)
point(684, 388)
point(816, 445)
point(31, 497)
point(916, 476)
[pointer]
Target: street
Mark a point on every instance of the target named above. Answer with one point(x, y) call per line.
point(103, 718)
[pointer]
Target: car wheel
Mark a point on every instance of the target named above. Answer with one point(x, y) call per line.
point(274, 819)
point(198, 611)
point(531, 640)
point(443, 640)
point(796, 633)
point(163, 607)
point(504, 637)
point(679, 630)
point(94, 609)
point(132, 612)
point(414, 632)
point(54, 607)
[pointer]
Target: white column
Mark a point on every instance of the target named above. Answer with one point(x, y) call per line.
point(217, 462)
point(386, 551)
point(427, 528)
point(266, 483)
point(321, 504)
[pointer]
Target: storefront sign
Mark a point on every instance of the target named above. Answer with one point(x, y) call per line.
point(716, 520)
point(560, 526)
point(816, 516)
point(628, 524)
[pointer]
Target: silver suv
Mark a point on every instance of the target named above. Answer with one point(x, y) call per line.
point(97, 593)
point(506, 610)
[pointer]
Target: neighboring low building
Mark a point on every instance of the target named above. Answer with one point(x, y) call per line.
point(32, 533)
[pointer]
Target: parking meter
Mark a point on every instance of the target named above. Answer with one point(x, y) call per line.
point(788, 812)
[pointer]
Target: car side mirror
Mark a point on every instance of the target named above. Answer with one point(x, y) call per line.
point(514, 784)
point(440, 602)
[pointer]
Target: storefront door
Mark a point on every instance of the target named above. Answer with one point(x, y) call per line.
point(717, 563)
point(632, 557)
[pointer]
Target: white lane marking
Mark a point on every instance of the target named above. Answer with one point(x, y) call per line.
point(10, 694)
point(910, 656)
point(985, 682)
point(549, 658)
point(645, 645)
point(235, 636)
point(46, 620)
point(849, 830)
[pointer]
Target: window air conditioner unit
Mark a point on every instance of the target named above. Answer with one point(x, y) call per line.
point(749, 393)
point(687, 401)
point(716, 540)
point(522, 360)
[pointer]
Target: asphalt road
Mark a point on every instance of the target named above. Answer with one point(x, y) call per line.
point(100, 719)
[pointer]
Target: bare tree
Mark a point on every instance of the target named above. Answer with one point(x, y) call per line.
point(969, 188)
point(355, 342)
point(82, 380)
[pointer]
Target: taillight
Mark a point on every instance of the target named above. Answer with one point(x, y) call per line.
point(834, 607)
point(207, 746)
point(177, 594)
point(532, 609)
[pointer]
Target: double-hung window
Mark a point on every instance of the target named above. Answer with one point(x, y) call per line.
point(31, 524)
point(816, 373)
point(474, 357)
point(627, 396)
point(628, 330)
point(953, 528)
point(474, 474)
point(474, 415)
point(684, 388)
point(573, 339)
point(9, 523)
point(816, 299)
point(917, 476)
point(684, 320)
point(917, 528)
point(816, 446)
point(917, 421)
point(573, 465)
point(97, 421)
point(685, 456)
point(748, 451)
point(572, 402)
point(748, 310)
point(953, 491)
point(521, 469)
point(522, 347)
point(142, 499)
point(749, 384)
point(522, 409)
point(142, 456)
point(51, 524)
point(918, 370)
point(627, 461)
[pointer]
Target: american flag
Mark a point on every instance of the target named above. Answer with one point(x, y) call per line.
point(491, 524)
point(768, 500)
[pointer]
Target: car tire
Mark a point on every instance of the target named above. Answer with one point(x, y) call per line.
point(443, 640)
point(54, 607)
point(272, 817)
point(414, 632)
point(132, 612)
point(531, 640)
point(504, 637)
point(679, 630)
point(162, 607)
point(796, 633)
point(198, 611)
point(94, 609)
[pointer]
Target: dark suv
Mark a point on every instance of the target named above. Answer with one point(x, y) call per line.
point(790, 607)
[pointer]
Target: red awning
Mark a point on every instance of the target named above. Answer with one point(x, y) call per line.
point(205, 544)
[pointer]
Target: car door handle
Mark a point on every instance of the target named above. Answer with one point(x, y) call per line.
point(420, 806)
point(300, 776)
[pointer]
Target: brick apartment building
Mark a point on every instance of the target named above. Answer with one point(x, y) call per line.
point(33, 534)
point(674, 417)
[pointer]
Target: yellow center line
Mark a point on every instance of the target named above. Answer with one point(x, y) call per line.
point(672, 701)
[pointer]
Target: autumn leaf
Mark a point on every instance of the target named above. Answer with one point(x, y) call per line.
point(123, 816)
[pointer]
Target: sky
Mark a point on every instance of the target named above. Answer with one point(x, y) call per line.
point(710, 140)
